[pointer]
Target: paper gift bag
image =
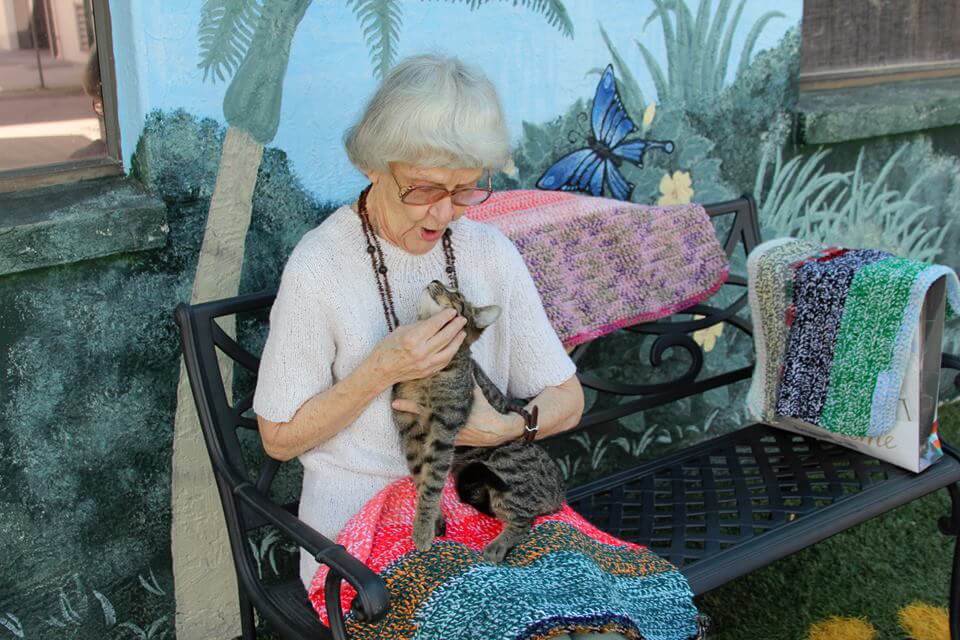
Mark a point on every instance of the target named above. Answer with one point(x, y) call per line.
point(913, 443)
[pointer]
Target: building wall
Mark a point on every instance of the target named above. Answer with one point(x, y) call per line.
point(89, 351)
point(8, 26)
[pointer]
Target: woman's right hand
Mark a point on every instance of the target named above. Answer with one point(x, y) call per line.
point(420, 349)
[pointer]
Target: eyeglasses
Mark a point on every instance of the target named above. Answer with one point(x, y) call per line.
point(464, 197)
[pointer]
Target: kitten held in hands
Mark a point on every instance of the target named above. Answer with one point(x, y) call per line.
point(514, 482)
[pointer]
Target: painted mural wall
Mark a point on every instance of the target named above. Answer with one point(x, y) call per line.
point(93, 399)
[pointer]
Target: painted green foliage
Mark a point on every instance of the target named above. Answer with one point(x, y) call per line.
point(89, 398)
point(897, 194)
point(698, 47)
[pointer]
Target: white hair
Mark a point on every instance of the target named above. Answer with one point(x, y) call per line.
point(432, 111)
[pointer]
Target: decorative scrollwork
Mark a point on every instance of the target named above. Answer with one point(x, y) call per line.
point(676, 333)
point(685, 342)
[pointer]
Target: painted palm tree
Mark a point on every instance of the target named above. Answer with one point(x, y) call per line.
point(252, 42)
point(249, 40)
point(698, 48)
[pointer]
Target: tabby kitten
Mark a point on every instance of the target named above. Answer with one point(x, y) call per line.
point(515, 482)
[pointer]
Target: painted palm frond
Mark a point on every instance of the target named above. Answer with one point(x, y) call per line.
point(553, 10)
point(226, 29)
point(632, 94)
point(381, 20)
point(698, 47)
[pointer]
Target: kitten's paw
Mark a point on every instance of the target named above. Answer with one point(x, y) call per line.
point(441, 526)
point(423, 537)
point(496, 551)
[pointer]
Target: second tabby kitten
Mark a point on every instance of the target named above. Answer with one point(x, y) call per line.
point(514, 482)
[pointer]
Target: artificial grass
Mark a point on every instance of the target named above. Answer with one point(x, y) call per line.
point(870, 572)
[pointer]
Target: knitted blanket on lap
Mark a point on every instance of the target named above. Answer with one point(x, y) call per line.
point(833, 330)
point(568, 576)
point(601, 264)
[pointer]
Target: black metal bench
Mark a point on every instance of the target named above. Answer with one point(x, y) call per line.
point(718, 509)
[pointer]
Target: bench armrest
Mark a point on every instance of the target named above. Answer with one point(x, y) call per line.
point(372, 599)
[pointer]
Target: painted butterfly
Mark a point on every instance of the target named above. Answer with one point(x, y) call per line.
point(589, 168)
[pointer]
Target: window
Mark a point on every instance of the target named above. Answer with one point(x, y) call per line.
point(857, 42)
point(58, 119)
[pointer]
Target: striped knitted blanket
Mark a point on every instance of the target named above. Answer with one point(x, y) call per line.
point(567, 577)
point(601, 264)
point(833, 330)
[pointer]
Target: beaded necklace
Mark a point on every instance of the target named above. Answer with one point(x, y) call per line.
point(380, 267)
point(530, 418)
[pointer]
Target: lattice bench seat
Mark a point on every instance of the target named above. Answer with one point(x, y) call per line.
point(728, 506)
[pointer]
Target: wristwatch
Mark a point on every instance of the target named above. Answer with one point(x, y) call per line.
point(530, 426)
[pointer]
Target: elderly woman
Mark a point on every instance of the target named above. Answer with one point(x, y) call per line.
point(343, 329)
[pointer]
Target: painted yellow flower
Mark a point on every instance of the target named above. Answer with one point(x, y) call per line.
point(648, 115)
point(510, 169)
point(707, 337)
point(676, 189)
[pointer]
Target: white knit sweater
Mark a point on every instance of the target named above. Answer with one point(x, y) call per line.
point(328, 317)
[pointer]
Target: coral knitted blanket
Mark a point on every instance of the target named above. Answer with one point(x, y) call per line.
point(601, 264)
point(568, 576)
point(833, 330)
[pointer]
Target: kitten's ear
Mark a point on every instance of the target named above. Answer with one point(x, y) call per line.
point(483, 317)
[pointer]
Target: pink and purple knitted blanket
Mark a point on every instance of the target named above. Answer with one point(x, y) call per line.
point(601, 264)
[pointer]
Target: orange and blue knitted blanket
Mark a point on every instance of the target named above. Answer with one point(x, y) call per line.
point(566, 577)
point(833, 329)
point(601, 264)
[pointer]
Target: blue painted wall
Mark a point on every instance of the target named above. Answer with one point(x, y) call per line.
point(535, 68)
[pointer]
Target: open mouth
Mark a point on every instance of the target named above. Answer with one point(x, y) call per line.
point(429, 234)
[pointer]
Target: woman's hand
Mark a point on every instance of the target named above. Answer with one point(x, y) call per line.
point(486, 427)
point(420, 349)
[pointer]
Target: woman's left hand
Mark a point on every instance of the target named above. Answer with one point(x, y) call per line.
point(486, 427)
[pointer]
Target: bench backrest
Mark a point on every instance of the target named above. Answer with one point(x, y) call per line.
point(742, 232)
point(211, 356)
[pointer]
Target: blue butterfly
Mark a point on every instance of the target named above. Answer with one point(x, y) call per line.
point(599, 162)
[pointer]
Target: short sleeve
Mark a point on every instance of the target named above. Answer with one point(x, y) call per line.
point(298, 356)
point(537, 357)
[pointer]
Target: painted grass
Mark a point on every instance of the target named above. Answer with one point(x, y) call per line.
point(868, 572)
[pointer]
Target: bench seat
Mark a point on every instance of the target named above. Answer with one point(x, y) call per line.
point(728, 506)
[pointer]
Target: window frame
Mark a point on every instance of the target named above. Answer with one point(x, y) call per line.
point(88, 168)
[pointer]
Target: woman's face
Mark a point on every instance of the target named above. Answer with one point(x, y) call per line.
point(416, 228)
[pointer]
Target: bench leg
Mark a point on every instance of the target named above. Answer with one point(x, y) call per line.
point(248, 625)
point(950, 526)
